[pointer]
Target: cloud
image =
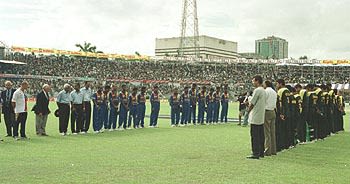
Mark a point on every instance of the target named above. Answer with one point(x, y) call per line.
point(318, 29)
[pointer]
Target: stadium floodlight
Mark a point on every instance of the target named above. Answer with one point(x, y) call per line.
point(189, 41)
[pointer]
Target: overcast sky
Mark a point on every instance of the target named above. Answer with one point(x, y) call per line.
point(316, 28)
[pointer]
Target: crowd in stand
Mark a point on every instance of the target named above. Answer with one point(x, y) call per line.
point(169, 74)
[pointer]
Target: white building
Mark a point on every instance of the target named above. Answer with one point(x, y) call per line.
point(209, 48)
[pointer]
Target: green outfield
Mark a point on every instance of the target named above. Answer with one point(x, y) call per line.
point(202, 154)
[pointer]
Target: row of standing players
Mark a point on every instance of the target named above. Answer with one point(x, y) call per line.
point(309, 114)
point(108, 104)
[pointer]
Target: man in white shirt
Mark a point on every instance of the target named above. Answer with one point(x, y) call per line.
point(270, 118)
point(19, 103)
point(87, 92)
point(257, 118)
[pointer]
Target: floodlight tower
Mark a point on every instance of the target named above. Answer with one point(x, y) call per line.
point(189, 41)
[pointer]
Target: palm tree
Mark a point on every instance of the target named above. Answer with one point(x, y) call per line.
point(87, 47)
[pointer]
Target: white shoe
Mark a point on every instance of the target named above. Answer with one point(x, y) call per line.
point(62, 134)
point(82, 133)
point(182, 125)
point(67, 133)
point(102, 130)
point(151, 126)
point(173, 126)
point(111, 130)
point(75, 133)
point(129, 128)
point(96, 132)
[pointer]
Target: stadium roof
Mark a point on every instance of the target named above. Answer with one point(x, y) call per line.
point(12, 62)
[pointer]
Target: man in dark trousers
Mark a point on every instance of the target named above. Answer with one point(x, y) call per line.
point(77, 110)
point(87, 92)
point(7, 109)
point(63, 103)
point(257, 118)
point(19, 103)
point(41, 109)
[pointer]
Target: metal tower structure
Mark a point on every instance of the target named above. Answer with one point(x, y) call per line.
point(189, 41)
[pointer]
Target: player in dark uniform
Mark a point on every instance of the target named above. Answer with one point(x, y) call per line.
point(283, 115)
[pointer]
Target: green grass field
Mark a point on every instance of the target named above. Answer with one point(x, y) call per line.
point(202, 154)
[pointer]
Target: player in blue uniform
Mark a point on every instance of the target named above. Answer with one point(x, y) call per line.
point(217, 99)
point(193, 98)
point(210, 106)
point(224, 105)
point(201, 98)
point(155, 105)
point(186, 107)
point(97, 100)
point(174, 103)
point(104, 107)
point(133, 109)
point(114, 108)
point(124, 108)
point(141, 107)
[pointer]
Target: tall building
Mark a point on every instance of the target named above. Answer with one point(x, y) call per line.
point(208, 48)
point(272, 48)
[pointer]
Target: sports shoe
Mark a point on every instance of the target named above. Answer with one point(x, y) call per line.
point(75, 133)
point(173, 126)
point(16, 138)
point(62, 134)
point(111, 130)
point(252, 157)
